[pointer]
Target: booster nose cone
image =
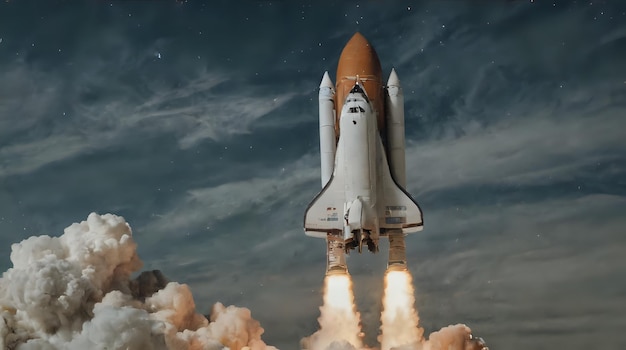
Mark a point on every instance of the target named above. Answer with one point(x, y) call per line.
point(326, 82)
point(393, 78)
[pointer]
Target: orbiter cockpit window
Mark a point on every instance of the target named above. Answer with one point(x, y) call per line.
point(357, 109)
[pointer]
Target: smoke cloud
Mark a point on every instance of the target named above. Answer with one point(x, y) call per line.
point(75, 292)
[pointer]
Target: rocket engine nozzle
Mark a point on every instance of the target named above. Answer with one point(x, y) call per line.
point(397, 252)
point(335, 255)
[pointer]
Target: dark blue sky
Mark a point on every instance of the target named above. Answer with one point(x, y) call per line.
point(197, 122)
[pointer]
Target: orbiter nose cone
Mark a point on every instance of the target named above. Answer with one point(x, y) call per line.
point(356, 89)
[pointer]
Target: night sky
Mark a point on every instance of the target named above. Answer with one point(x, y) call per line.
point(198, 123)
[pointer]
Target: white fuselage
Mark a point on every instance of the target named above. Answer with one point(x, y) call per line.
point(359, 135)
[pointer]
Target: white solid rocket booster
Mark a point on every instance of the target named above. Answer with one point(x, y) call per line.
point(335, 252)
point(327, 128)
point(395, 129)
point(394, 102)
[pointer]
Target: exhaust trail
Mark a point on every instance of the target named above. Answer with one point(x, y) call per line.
point(399, 319)
point(340, 323)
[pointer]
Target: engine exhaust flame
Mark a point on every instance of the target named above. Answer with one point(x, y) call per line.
point(399, 318)
point(339, 321)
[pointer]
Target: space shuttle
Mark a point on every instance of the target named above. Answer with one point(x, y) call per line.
point(362, 146)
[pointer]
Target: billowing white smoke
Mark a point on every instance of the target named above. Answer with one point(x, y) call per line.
point(75, 292)
point(453, 337)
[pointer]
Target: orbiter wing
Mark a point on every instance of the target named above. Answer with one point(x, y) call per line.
point(325, 212)
point(396, 208)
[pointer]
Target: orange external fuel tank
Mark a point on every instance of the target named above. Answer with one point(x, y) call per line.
point(359, 59)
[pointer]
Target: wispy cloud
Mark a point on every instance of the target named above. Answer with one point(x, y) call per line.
point(260, 192)
point(65, 123)
point(538, 149)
